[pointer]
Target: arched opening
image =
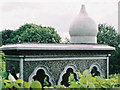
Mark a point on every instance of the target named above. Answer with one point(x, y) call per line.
point(42, 74)
point(95, 71)
point(42, 78)
point(70, 68)
point(65, 77)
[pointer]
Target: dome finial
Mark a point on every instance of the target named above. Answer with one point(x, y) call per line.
point(83, 29)
point(83, 9)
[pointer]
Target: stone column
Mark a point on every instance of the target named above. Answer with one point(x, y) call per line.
point(21, 68)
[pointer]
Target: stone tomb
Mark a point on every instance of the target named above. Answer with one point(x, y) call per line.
point(55, 60)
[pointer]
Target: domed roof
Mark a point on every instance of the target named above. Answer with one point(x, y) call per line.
point(83, 27)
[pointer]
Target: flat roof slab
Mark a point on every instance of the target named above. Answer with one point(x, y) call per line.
point(31, 46)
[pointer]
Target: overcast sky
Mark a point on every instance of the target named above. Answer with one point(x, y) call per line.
point(56, 13)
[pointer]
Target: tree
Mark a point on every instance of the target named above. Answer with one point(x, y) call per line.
point(115, 61)
point(108, 35)
point(119, 39)
point(6, 36)
point(32, 33)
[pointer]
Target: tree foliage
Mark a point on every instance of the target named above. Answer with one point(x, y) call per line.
point(6, 36)
point(115, 61)
point(30, 33)
point(108, 35)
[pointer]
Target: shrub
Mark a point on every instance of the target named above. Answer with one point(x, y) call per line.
point(85, 81)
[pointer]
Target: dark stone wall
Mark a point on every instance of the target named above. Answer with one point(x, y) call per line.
point(56, 67)
point(15, 64)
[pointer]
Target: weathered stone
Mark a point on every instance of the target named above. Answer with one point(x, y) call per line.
point(55, 59)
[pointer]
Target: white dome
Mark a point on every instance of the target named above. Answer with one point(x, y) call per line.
point(83, 29)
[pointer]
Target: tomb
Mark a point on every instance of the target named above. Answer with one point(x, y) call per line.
point(54, 62)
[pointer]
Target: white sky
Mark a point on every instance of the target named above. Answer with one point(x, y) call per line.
point(56, 13)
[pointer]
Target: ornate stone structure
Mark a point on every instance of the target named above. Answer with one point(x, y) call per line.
point(55, 59)
point(54, 62)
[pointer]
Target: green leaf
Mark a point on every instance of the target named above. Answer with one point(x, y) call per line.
point(118, 78)
point(45, 82)
point(59, 86)
point(92, 79)
point(88, 76)
point(82, 80)
point(71, 78)
point(19, 81)
point(16, 85)
point(85, 72)
point(36, 84)
point(26, 84)
point(79, 74)
point(91, 85)
point(1, 84)
point(7, 81)
point(9, 85)
point(4, 74)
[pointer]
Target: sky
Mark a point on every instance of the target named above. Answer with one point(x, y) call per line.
point(55, 13)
